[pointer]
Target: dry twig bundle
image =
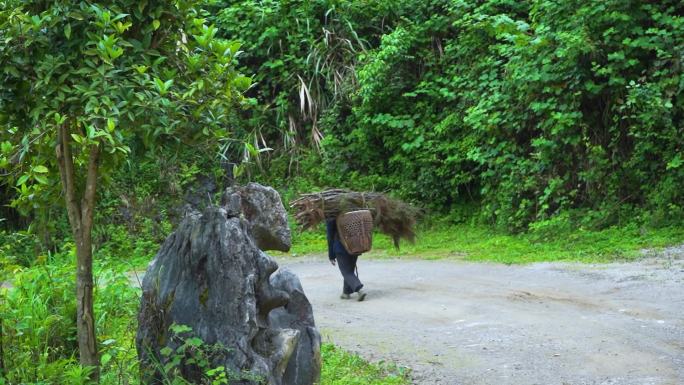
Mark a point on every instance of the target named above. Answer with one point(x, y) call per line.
point(391, 216)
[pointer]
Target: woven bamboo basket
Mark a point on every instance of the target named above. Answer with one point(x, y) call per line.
point(355, 229)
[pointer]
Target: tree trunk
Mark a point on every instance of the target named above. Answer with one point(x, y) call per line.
point(81, 220)
point(85, 320)
point(2, 352)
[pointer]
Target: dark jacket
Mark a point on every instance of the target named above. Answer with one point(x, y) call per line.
point(335, 247)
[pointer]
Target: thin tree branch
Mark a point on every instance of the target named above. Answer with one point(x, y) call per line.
point(88, 204)
point(66, 170)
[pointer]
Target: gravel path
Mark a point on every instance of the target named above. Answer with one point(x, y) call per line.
point(545, 324)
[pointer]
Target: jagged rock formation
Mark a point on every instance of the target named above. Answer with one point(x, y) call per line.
point(305, 365)
point(212, 275)
point(266, 217)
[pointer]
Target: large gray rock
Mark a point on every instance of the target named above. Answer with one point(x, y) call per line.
point(211, 275)
point(305, 365)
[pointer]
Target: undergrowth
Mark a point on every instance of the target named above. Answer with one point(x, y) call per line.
point(38, 339)
point(38, 313)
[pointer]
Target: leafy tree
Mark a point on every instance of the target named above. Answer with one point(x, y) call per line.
point(80, 80)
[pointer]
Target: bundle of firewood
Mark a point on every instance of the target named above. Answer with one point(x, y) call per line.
point(391, 216)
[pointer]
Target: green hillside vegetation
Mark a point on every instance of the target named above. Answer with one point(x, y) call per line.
point(526, 131)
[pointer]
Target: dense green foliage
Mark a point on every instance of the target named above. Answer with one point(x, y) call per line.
point(81, 82)
point(38, 317)
point(302, 54)
point(529, 109)
point(559, 119)
point(516, 111)
point(534, 107)
point(111, 78)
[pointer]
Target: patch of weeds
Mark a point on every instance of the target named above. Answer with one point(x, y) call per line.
point(38, 316)
point(343, 368)
point(188, 360)
point(39, 330)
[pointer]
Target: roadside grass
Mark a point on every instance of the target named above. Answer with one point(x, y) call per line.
point(482, 244)
point(553, 240)
point(343, 368)
point(37, 312)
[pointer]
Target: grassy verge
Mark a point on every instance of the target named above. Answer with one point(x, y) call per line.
point(477, 243)
point(343, 368)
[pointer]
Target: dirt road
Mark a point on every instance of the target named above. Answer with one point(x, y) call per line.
point(476, 324)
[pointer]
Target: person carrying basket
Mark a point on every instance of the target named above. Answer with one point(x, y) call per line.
point(349, 235)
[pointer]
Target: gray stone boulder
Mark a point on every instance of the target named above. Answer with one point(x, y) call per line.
point(305, 365)
point(212, 275)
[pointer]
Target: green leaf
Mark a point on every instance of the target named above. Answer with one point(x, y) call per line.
point(251, 149)
point(22, 180)
point(40, 169)
point(242, 83)
point(105, 358)
point(675, 163)
point(160, 86)
point(41, 179)
point(120, 16)
point(6, 147)
point(155, 24)
point(178, 329)
point(76, 15)
point(67, 31)
point(166, 351)
point(140, 68)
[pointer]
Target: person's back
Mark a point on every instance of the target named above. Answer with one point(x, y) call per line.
point(346, 262)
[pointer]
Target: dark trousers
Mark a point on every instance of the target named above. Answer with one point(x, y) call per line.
point(347, 265)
